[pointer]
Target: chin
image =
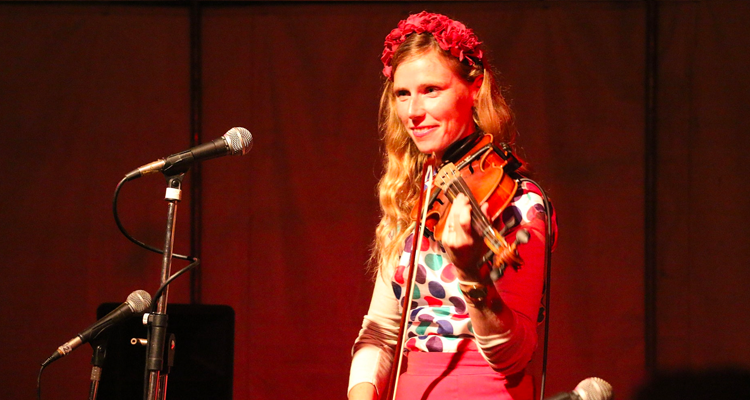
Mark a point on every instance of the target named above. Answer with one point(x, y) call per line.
point(427, 149)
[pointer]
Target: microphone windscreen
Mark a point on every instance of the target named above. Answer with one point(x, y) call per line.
point(594, 389)
point(239, 140)
point(139, 301)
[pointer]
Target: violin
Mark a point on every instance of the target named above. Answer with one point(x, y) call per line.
point(485, 173)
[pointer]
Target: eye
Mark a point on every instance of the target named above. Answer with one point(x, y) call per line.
point(401, 93)
point(432, 90)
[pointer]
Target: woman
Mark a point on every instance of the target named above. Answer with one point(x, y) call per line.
point(469, 338)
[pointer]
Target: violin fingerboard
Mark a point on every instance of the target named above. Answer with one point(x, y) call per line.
point(445, 179)
point(449, 180)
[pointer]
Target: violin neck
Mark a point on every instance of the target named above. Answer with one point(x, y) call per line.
point(479, 220)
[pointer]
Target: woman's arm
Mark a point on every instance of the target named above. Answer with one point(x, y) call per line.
point(372, 354)
point(504, 321)
point(363, 391)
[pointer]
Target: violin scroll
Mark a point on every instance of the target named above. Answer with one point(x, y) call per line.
point(509, 256)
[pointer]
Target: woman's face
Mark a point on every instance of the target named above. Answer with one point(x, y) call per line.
point(433, 103)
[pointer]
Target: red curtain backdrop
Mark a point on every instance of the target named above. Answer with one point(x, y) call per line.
point(703, 206)
point(90, 91)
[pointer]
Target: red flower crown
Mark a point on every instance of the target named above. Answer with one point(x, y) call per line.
point(451, 35)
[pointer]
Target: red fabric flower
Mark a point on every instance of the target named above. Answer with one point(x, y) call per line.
point(452, 36)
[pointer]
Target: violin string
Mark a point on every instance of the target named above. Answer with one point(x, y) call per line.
point(476, 211)
point(479, 220)
point(458, 186)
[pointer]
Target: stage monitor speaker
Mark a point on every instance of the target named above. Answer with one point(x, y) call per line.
point(203, 358)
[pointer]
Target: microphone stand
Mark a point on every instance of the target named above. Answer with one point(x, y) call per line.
point(157, 381)
point(99, 346)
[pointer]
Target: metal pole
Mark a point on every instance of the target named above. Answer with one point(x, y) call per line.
point(156, 389)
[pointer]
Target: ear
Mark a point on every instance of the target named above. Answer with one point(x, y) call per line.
point(475, 86)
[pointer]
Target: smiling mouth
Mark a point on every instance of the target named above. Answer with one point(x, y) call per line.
point(420, 131)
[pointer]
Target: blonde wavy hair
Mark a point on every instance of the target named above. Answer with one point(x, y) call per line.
point(399, 186)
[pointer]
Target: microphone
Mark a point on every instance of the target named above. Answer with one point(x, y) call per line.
point(136, 303)
point(588, 389)
point(237, 141)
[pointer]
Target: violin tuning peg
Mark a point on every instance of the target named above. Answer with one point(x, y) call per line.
point(510, 222)
point(497, 273)
point(522, 236)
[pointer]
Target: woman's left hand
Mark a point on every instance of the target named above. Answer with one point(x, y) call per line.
point(461, 242)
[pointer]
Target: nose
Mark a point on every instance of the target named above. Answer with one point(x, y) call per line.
point(416, 107)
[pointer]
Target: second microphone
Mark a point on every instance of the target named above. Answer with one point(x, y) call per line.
point(237, 141)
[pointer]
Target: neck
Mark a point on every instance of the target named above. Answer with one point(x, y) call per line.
point(458, 149)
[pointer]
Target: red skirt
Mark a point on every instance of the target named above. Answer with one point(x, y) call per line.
point(454, 376)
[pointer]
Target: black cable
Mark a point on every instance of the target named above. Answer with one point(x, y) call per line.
point(39, 383)
point(549, 240)
point(132, 239)
point(166, 283)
